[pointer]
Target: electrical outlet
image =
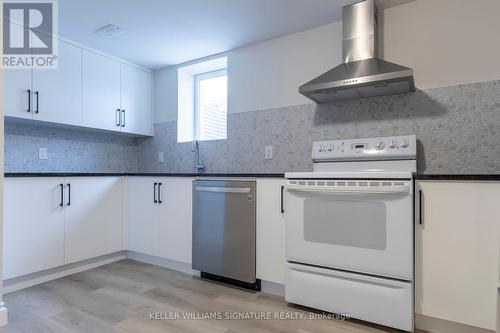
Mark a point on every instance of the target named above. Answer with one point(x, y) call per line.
point(269, 152)
point(161, 157)
point(42, 153)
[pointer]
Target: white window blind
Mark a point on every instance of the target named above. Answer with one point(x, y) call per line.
point(210, 118)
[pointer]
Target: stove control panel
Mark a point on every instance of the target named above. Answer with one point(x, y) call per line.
point(383, 148)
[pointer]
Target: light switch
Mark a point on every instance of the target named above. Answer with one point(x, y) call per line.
point(269, 152)
point(42, 153)
point(161, 157)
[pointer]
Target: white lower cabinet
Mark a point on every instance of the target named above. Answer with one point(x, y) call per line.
point(93, 218)
point(270, 230)
point(33, 226)
point(176, 219)
point(160, 217)
point(143, 215)
point(50, 222)
point(457, 255)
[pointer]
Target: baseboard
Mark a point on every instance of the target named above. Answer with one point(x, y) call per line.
point(30, 280)
point(435, 325)
point(162, 262)
point(273, 288)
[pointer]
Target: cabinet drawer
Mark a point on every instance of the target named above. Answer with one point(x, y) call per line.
point(382, 301)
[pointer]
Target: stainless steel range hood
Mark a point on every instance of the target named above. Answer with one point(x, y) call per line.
point(361, 74)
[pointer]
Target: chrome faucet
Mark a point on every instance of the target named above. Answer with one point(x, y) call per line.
point(198, 164)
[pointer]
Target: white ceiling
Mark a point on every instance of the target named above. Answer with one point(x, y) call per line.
point(167, 32)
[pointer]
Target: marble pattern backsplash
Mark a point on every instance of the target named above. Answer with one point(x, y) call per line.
point(68, 150)
point(458, 131)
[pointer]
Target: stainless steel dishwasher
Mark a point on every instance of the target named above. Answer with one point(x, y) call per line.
point(224, 231)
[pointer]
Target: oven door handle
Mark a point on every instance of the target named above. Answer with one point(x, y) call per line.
point(403, 189)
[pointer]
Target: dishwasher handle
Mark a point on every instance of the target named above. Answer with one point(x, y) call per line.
point(241, 190)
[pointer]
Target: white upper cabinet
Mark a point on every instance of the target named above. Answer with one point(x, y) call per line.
point(93, 217)
point(87, 89)
point(136, 100)
point(58, 93)
point(17, 93)
point(101, 92)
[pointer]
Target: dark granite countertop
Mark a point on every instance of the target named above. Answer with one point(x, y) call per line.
point(148, 174)
point(471, 177)
point(417, 176)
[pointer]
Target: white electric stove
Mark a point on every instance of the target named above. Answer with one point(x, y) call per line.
point(349, 230)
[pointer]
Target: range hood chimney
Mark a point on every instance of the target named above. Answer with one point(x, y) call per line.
point(362, 73)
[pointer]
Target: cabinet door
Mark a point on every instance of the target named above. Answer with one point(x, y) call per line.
point(176, 211)
point(93, 217)
point(270, 231)
point(59, 98)
point(16, 99)
point(100, 91)
point(143, 216)
point(136, 100)
point(33, 226)
point(457, 252)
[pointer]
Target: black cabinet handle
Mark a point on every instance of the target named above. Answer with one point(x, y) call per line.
point(282, 208)
point(37, 95)
point(154, 193)
point(69, 195)
point(118, 117)
point(159, 192)
point(420, 210)
point(123, 122)
point(61, 186)
point(29, 100)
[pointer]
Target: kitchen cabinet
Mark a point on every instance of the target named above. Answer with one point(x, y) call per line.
point(58, 93)
point(33, 226)
point(457, 239)
point(50, 222)
point(136, 100)
point(45, 94)
point(176, 219)
point(87, 89)
point(101, 89)
point(16, 98)
point(270, 230)
point(160, 217)
point(116, 96)
point(143, 215)
point(93, 217)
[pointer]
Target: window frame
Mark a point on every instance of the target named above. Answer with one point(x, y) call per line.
point(196, 99)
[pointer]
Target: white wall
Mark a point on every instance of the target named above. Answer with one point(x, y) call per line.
point(263, 75)
point(446, 42)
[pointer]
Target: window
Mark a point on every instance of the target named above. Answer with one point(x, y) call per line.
point(202, 101)
point(210, 113)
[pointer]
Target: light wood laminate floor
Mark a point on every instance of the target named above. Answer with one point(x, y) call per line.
point(119, 297)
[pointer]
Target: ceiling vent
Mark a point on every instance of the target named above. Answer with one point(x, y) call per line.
point(109, 31)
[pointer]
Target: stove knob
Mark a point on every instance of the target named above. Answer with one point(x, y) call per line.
point(393, 144)
point(330, 148)
point(405, 143)
point(320, 148)
point(380, 145)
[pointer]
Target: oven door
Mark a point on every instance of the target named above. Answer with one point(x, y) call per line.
point(354, 225)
